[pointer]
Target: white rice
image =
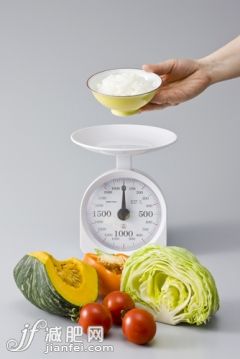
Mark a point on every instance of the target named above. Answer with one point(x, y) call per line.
point(126, 84)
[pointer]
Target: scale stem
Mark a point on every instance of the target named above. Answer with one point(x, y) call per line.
point(124, 162)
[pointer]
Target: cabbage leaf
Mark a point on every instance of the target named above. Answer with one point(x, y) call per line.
point(170, 283)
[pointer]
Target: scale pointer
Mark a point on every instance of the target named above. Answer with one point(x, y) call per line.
point(123, 213)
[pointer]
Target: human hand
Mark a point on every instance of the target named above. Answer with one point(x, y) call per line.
point(182, 79)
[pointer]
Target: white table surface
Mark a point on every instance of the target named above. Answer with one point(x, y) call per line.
point(216, 247)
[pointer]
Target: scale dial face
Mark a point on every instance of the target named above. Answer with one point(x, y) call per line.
point(123, 214)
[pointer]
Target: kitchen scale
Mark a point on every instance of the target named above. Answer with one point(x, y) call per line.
point(123, 209)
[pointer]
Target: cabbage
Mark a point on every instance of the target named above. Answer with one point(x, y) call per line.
point(170, 283)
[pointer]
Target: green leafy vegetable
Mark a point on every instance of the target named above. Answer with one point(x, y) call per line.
point(171, 284)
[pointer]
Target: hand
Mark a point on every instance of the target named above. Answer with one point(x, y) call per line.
point(182, 80)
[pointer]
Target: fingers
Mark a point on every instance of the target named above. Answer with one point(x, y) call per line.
point(153, 106)
point(167, 95)
point(163, 68)
point(164, 96)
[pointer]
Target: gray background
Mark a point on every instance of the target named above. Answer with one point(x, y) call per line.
point(48, 49)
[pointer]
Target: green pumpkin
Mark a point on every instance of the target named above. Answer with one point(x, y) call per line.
point(58, 287)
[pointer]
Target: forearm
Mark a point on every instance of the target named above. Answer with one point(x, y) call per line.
point(224, 63)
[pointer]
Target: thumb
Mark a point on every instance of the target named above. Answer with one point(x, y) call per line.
point(162, 68)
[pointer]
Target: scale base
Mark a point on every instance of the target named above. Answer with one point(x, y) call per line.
point(87, 247)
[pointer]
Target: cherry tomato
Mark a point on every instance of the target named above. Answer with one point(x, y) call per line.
point(118, 304)
point(138, 326)
point(95, 314)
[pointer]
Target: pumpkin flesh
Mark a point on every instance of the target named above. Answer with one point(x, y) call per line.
point(71, 278)
point(59, 287)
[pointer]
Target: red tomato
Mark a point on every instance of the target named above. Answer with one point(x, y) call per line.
point(138, 326)
point(118, 303)
point(95, 314)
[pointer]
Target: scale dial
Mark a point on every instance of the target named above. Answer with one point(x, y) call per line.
point(123, 213)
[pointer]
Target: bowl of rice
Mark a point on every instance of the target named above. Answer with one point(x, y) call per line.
point(124, 91)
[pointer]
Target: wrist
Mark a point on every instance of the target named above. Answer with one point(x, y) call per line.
point(209, 67)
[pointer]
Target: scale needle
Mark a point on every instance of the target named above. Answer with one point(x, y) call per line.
point(123, 212)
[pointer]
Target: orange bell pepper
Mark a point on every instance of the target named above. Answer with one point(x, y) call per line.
point(109, 269)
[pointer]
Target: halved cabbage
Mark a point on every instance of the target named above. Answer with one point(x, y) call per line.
point(171, 284)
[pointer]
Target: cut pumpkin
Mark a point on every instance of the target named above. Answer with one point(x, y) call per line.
point(59, 287)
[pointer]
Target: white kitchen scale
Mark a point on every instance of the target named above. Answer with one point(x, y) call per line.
point(123, 209)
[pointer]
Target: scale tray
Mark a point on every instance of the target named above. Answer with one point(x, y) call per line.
point(123, 139)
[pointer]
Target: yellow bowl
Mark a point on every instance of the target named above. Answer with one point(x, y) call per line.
point(123, 105)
